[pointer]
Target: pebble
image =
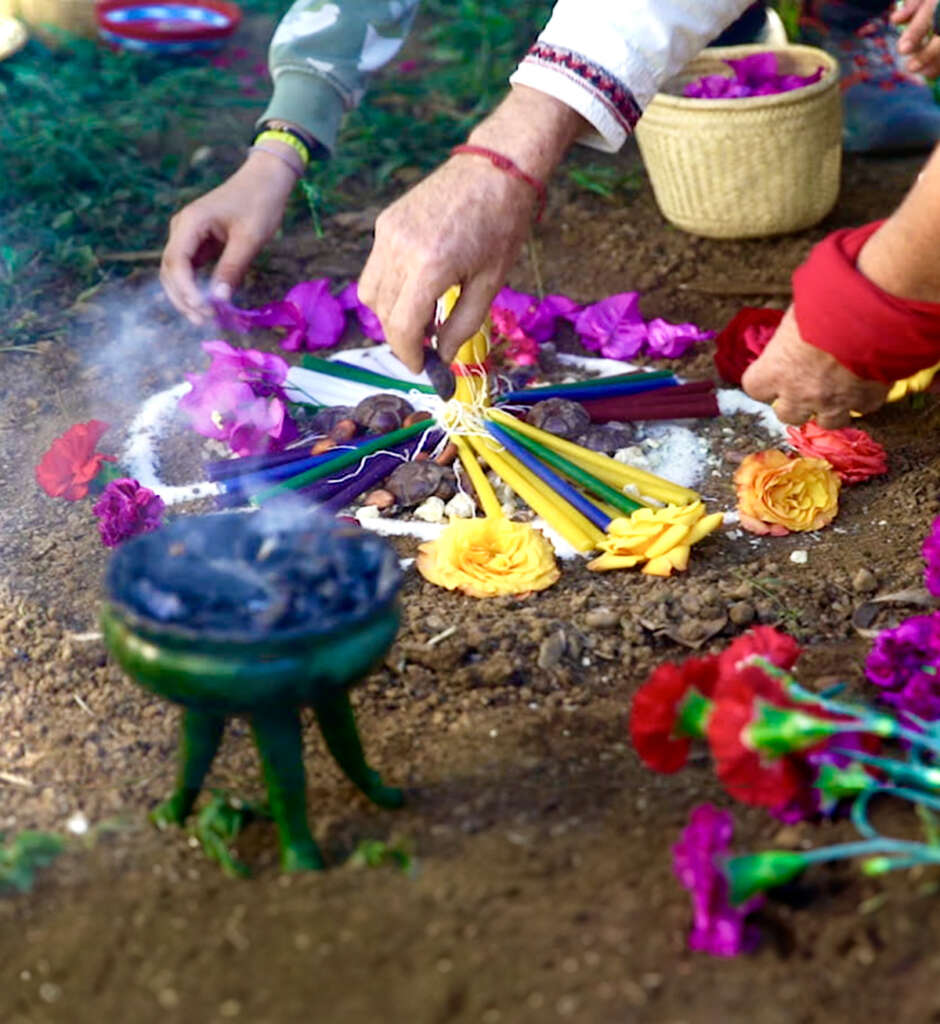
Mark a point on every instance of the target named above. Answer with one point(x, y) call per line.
point(864, 581)
point(602, 618)
point(742, 613)
point(367, 512)
point(551, 650)
point(430, 511)
point(800, 557)
point(379, 498)
point(461, 506)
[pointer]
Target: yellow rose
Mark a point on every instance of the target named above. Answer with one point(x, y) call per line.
point(487, 557)
point(778, 493)
point(661, 537)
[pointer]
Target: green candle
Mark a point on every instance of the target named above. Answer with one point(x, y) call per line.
point(361, 375)
point(580, 476)
point(350, 458)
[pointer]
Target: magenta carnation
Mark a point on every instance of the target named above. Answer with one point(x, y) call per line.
point(125, 509)
point(931, 552)
point(717, 927)
point(905, 661)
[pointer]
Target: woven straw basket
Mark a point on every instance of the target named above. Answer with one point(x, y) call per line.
point(74, 16)
point(750, 167)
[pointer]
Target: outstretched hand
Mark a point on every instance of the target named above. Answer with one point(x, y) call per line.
point(918, 42)
point(803, 382)
point(464, 224)
point(230, 224)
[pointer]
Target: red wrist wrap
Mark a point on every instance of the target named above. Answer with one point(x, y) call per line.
point(503, 163)
point(875, 335)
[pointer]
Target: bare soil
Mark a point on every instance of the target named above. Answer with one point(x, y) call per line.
point(543, 887)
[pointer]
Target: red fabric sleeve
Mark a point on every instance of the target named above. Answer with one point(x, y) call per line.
point(875, 335)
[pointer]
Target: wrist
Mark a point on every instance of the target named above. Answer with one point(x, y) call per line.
point(270, 168)
point(890, 260)
point(532, 129)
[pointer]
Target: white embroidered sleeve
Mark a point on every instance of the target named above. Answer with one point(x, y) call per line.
point(607, 58)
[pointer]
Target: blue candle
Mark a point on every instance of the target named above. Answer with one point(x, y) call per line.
point(588, 509)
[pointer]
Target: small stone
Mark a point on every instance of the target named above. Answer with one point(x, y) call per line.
point(560, 417)
point(168, 998)
point(551, 650)
point(230, 1008)
point(742, 613)
point(864, 581)
point(379, 498)
point(430, 511)
point(602, 618)
point(343, 430)
point(800, 557)
point(460, 506)
point(367, 512)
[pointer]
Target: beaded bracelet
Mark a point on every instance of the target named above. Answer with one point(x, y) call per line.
point(503, 163)
point(280, 155)
point(288, 139)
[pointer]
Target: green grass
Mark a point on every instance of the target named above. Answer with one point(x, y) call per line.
point(98, 146)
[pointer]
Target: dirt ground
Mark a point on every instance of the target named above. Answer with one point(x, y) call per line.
point(543, 887)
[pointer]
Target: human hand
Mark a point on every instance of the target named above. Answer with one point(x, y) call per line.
point(802, 382)
point(231, 224)
point(918, 42)
point(464, 224)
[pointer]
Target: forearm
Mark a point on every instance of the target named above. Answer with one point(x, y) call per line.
point(532, 129)
point(607, 58)
point(902, 256)
point(321, 54)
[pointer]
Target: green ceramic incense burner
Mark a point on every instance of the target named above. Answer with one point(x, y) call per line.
point(257, 616)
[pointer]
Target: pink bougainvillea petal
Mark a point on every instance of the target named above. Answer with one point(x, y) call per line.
point(369, 324)
point(669, 341)
point(613, 326)
point(323, 315)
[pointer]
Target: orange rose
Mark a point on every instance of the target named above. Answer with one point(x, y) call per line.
point(488, 557)
point(779, 493)
point(852, 453)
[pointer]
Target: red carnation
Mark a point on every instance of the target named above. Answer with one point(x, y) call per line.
point(748, 775)
point(71, 462)
point(656, 708)
point(743, 339)
point(853, 454)
point(759, 642)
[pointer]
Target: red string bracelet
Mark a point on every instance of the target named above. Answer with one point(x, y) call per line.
point(503, 163)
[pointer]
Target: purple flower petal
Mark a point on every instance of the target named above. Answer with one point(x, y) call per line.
point(613, 326)
point(274, 314)
point(669, 341)
point(125, 509)
point(369, 324)
point(322, 314)
point(717, 927)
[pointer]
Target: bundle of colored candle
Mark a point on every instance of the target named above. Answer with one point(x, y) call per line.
point(579, 493)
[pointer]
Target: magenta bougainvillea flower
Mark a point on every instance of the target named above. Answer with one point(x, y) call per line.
point(616, 328)
point(535, 318)
point(125, 509)
point(931, 551)
point(613, 326)
point(756, 75)
point(312, 316)
point(905, 662)
point(369, 324)
point(240, 399)
point(669, 341)
point(717, 927)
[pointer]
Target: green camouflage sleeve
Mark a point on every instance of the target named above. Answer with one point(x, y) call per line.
point(320, 55)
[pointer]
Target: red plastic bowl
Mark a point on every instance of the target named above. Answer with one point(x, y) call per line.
point(174, 26)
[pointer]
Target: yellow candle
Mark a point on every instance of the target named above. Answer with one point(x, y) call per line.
point(602, 466)
point(580, 533)
point(484, 489)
